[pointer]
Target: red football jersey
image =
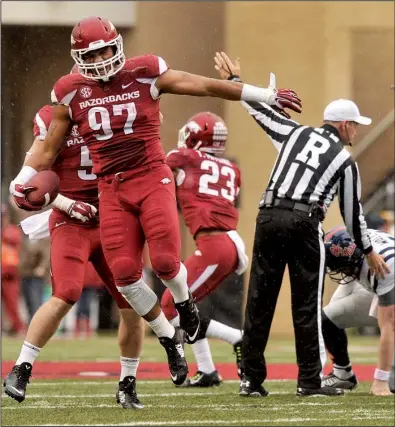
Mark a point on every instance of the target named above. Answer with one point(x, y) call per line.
point(73, 164)
point(118, 119)
point(207, 188)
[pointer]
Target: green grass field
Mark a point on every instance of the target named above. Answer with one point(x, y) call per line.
point(92, 402)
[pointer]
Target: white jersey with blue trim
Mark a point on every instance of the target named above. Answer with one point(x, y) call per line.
point(383, 244)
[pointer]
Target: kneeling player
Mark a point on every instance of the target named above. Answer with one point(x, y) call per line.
point(75, 239)
point(353, 304)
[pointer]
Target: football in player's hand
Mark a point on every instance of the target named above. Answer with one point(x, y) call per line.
point(46, 185)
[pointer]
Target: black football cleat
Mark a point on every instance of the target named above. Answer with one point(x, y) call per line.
point(333, 381)
point(189, 319)
point(17, 380)
point(174, 347)
point(249, 389)
point(200, 379)
point(237, 352)
point(126, 395)
point(322, 391)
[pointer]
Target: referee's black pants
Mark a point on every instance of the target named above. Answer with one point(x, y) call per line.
point(285, 236)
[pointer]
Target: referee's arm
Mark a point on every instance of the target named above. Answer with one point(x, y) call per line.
point(277, 127)
point(351, 209)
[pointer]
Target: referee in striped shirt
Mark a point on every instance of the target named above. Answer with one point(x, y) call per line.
point(312, 167)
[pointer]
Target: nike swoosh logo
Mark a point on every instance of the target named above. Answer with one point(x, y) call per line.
point(60, 223)
point(125, 86)
point(174, 377)
point(191, 338)
point(16, 391)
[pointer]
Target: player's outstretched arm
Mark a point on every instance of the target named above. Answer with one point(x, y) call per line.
point(182, 83)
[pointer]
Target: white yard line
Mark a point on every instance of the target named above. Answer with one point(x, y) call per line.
point(259, 421)
point(242, 406)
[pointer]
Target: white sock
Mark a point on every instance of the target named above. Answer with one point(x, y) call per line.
point(29, 353)
point(223, 332)
point(162, 327)
point(201, 350)
point(343, 372)
point(178, 285)
point(129, 367)
point(176, 321)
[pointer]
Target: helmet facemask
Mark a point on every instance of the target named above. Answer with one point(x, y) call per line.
point(100, 70)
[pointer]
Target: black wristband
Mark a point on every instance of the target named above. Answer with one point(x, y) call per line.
point(234, 78)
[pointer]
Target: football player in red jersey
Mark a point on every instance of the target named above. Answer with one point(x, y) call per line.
point(75, 239)
point(207, 187)
point(115, 103)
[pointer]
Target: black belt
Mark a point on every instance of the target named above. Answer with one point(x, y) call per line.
point(270, 201)
point(291, 204)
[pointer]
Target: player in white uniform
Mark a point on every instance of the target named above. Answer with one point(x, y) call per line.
point(361, 300)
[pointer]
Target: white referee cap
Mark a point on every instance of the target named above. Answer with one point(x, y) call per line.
point(342, 110)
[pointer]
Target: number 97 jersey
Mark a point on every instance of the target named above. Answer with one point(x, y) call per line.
point(207, 188)
point(73, 164)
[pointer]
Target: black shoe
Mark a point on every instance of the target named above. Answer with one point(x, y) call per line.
point(237, 352)
point(333, 381)
point(322, 391)
point(126, 394)
point(200, 379)
point(175, 356)
point(17, 380)
point(189, 319)
point(249, 389)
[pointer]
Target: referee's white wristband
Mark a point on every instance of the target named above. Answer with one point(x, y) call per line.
point(257, 94)
point(381, 375)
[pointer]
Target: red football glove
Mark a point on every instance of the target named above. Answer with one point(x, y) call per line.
point(287, 98)
point(82, 211)
point(19, 194)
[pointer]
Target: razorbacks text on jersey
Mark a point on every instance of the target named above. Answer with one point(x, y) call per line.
point(118, 119)
point(73, 164)
point(207, 187)
point(383, 244)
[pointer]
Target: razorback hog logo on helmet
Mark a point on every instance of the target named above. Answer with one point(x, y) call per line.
point(193, 127)
point(347, 251)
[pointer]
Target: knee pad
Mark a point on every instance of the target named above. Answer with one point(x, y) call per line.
point(125, 270)
point(164, 260)
point(167, 305)
point(139, 296)
point(69, 291)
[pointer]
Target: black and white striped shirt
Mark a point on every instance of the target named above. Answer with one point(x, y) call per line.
point(313, 166)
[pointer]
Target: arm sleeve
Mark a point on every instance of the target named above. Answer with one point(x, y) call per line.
point(41, 122)
point(176, 159)
point(277, 127)
point(351, 209)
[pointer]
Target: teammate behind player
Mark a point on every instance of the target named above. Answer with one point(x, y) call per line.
point(207, 188)
point(351, 303)
point(75, 239)
point(115, 103)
